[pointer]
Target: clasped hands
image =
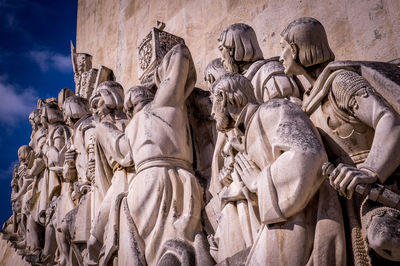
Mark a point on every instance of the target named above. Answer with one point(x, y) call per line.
point(247, 170)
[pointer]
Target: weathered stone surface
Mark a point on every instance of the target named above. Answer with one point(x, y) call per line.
point(9, 256)
point(140, 174)
point(112, 30)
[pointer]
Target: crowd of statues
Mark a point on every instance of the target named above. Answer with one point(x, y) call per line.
point(289, 160)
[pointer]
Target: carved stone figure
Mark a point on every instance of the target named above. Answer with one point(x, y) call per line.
point(232, 213)
point(78, 169)
point(116, 146)
point(165, 198)
point(32, 171)
point(110, 178)
point(241, 54)
point(361, 131)
point(85, 75)
point(294, 202)
point(56, 190)
point(20, 185)
point(87, 78)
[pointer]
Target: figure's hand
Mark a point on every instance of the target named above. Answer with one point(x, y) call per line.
point(70, 158)
point(247, 170)
point(345, 178)
point(225, 176)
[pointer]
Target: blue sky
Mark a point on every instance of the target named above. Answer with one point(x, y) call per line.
point(35, 63)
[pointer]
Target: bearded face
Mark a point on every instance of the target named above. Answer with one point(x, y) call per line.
point(227, 60)
point(224, 121)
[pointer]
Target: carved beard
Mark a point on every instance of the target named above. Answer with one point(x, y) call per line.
point(223, 120)
point(230, 65)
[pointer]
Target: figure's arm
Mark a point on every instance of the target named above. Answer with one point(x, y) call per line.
point(355, 96)
point(38, 166)
point(273, 83)
point(175, 77)
point(114, 142)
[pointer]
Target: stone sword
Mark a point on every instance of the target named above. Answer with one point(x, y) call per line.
point(375, 192)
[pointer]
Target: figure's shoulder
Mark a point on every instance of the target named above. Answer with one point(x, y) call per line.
point(265, 67)
point(181, 49)
point(275, 111)
point(280, 105)
point(87, 123)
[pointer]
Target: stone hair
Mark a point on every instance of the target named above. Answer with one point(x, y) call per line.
point(238, 89)
point(214, 70)
point(139, 93)
point(112, 94)
point(243, 40)
point(76, 107)
point(55, 115)
point(24, 151)
point(310, 37)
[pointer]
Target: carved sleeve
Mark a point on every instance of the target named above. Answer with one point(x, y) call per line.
point(292, 140)
point(354, 95)
point(280, 86)
point(115, 143)
point(175, 77)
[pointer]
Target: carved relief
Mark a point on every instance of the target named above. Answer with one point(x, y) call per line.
point(165, 173)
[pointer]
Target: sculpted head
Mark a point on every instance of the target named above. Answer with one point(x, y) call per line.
point(34, 119)
point(107, 98)
point(238, 45)
point(213, 71)
point(23, 154)
point(230, 94)
point(83, 62)
point(50, 112)
point(75, 108)
point(137, 97)
point(304, 44)
point(62, 96)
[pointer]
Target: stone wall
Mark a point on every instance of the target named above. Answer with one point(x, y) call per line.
point(111, 30)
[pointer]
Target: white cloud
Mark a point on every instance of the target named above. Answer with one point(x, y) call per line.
point(15, 104)
point(47, 60)
point(8, 173)
point(62, 62)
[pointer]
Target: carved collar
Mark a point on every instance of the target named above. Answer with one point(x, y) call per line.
point(245, 117)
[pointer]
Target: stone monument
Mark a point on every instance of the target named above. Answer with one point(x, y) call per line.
point(277, 155)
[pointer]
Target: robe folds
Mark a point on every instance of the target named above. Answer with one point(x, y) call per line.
point(162, 209)
point(300, 213)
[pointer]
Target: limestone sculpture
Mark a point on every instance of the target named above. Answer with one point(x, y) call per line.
point(110, 178)
point(77, 169)
point(270, 136)
point(360, 129)
point(279, 161)
point(87, 78)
